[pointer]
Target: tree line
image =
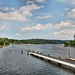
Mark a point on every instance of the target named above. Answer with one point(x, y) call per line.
point(6, 41)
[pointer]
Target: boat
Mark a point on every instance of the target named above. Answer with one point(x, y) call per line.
point(71, 58)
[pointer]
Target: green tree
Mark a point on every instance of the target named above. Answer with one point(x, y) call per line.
point(74, 36)
point(66, 43)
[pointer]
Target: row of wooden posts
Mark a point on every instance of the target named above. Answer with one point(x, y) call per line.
point(59, 57)
point(27, 51)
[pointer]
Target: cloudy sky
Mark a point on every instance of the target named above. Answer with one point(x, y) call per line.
point(44, 19)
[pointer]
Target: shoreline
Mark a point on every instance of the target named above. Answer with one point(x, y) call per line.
point(1, 46)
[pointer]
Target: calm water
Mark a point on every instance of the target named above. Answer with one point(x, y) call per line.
point(22, 64)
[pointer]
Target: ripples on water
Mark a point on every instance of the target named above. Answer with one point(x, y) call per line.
point(22, 64)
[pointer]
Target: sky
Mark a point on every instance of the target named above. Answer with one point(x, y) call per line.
point(42, 19)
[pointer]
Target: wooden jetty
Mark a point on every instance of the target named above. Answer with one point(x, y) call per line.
point(67, 63)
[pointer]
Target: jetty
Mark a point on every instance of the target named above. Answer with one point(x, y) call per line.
point(70, 64)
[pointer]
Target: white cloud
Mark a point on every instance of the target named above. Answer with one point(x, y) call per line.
point(67, 9)
point(44, 17)
point(11, 9)
point(63, 0)
point(65, 29)
point(29, 2)
point(62, 36)
point(30, 7)
point(71, 14)
point(6, 8)
point(38, 27)
point(58, 33)
point(17, 34)
point(63, 24)
point(40, 0)
point(12, 16)
point(19, 14)
point(72, 2)
point(26, 13)
point(64, 33)
point(2, 27)
point(1, 33)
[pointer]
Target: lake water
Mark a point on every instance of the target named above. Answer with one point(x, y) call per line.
point(23, 64)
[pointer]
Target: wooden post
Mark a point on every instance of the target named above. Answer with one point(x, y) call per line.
point(49, 61)
point(22, 51)
point(33, 51)
point(59, 57)
point(41, 53)
point(28, 52)
point(49, 55)
point(37, 52)
point(41, 58)
point(59, 64)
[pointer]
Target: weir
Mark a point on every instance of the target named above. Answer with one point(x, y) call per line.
point(70, 64)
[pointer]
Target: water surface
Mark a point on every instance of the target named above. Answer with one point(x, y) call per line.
point(23, 64)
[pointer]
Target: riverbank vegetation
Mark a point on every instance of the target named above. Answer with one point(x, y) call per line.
point(6, 41)
point(71, 43)
point(42, 41)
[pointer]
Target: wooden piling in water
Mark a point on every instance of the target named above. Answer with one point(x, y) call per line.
point(22, 51)
point(49, 55)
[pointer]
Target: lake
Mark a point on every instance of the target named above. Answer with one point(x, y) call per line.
point(22, 64)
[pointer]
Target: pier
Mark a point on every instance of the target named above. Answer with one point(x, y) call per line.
point(70, 64)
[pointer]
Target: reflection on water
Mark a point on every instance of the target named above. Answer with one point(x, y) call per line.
point(15, 63)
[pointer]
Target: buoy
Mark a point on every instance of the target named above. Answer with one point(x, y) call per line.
point(12, 51)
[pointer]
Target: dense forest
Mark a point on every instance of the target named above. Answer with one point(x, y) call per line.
point(42, 41)
point(6, 41)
